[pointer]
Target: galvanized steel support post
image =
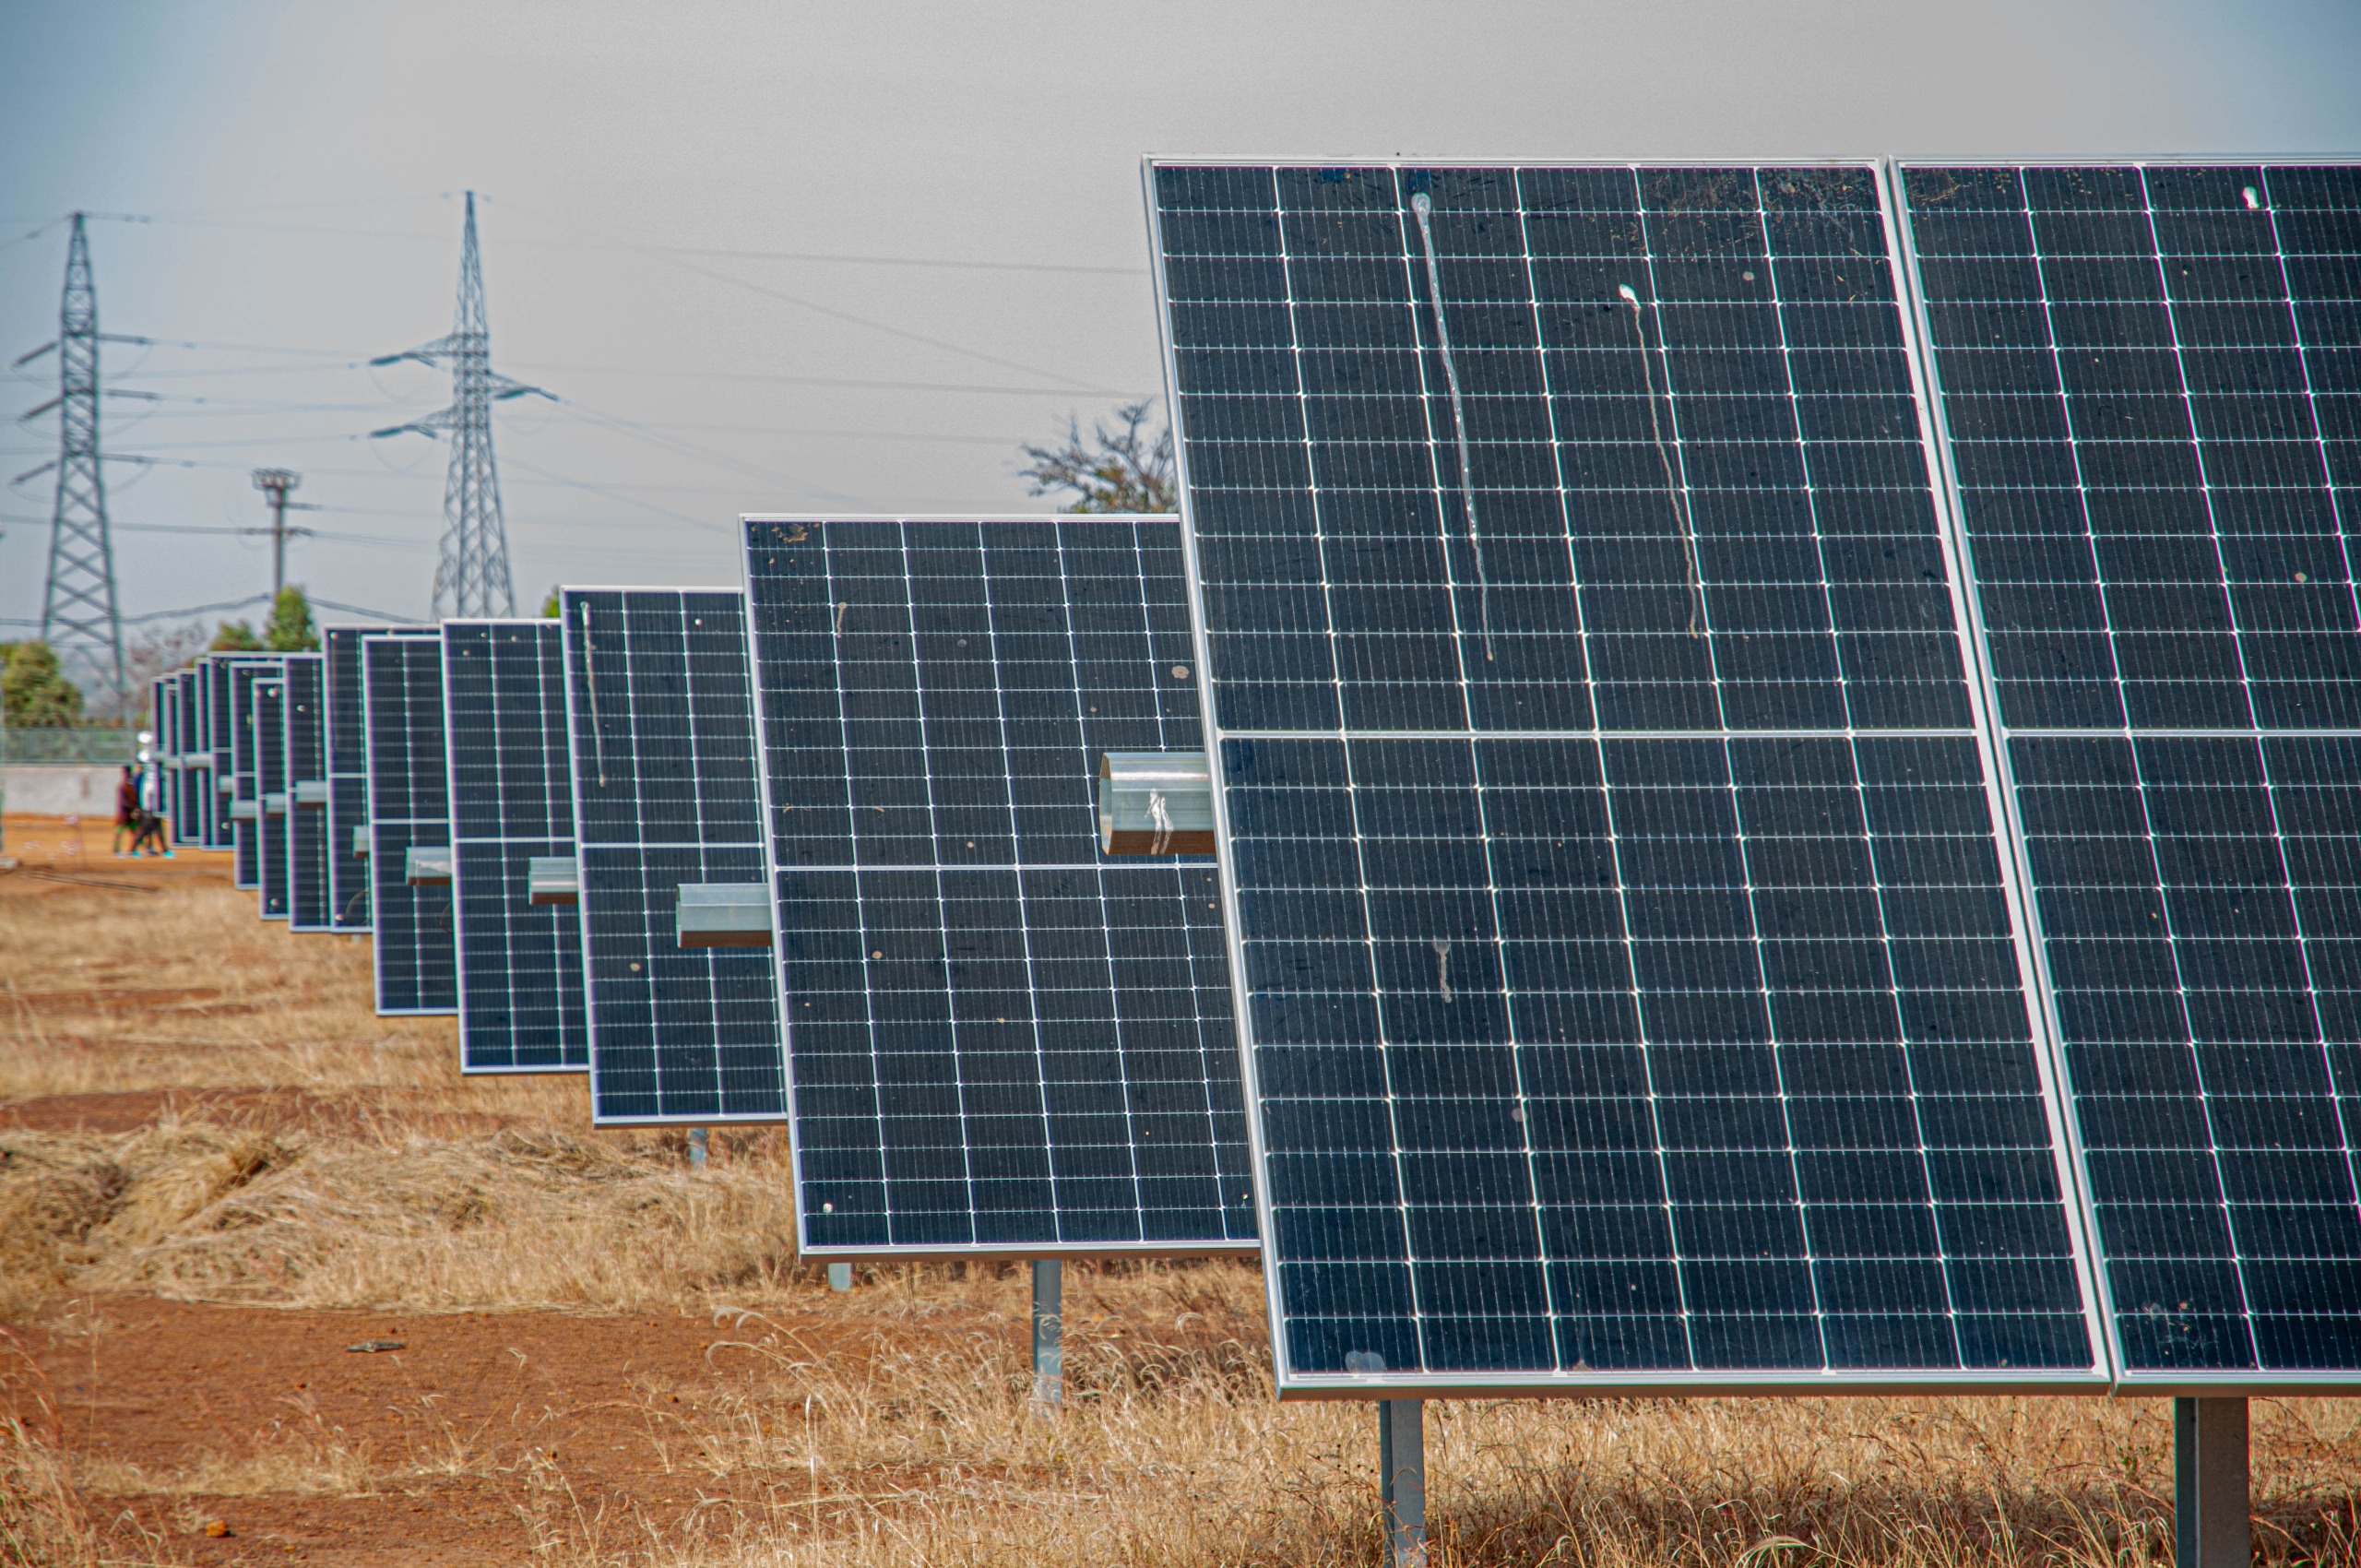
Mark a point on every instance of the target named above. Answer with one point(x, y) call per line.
point(1049, 1340)
point(1402, 1480)
point(2209, 1483)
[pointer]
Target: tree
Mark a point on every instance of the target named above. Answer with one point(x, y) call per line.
point(236, 637)
point(155, 652)
point(554, 605)
point(1114, 470)
point(289, 627)
point(36, 693)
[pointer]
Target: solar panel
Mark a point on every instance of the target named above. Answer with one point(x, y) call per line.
point(409, 807)
point(998, 1038)
point(520, 963)
point(220, 740)
point(2148, 378)
point(173, 719)
point(307, 816)
point(163, 694)
point(347, 775)
point(660, 716)
point(193, 777)
point(269, 720)
point(212, 685)
point(1633, 975)
point(246, 799)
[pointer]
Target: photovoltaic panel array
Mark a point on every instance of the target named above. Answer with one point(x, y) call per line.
point(520, 964)
point(409, 807)
point(998, 1040)
point(348, 763)
point(660, 716)
point(307, 818)
point(269, 718)
point(244, 761)
point(1631, 974)
point(2150, 378)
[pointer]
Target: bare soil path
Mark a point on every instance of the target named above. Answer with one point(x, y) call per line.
point(468, 1428)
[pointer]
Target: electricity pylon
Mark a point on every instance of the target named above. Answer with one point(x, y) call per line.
point(79, 619)
point(471, 579)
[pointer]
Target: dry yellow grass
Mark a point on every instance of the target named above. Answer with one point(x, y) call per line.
point(42, 1523)
point(316, 1156)
point(937, 1460)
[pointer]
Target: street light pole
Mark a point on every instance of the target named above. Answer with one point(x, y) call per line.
point(275, 484)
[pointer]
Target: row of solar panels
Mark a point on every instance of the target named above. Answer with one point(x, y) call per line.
point(1005, 1040)
point(1781, 745)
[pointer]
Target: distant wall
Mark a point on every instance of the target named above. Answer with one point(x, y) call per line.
point(51, 789)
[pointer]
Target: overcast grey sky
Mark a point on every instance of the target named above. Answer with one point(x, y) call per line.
point(944, 202)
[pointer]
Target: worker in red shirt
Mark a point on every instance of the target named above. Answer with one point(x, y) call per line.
point(127, 808)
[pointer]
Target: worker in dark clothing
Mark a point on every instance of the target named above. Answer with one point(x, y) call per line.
point(127, 808)
point(148, 831)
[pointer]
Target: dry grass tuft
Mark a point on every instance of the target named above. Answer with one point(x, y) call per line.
point(42, 1523)
point(396, 1220)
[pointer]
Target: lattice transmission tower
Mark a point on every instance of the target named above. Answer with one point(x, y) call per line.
point(471, 577)
point(79, 617)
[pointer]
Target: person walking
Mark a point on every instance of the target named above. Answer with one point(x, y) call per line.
point(147, 828)
point(127, 808)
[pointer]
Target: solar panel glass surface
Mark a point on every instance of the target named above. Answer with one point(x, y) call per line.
point(2149, 380)
point(520, 964)
point(998, 1038)
point(269, 719)
point(348, 768)
point(246, 822)
point(409, 807)
point(220, 737)
point(307, 821)
point(213, 675)
point(163, 694)
point(660, 716)
point(196, 774)
point(1633, 982)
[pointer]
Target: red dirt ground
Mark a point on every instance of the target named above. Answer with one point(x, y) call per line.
point(164, 1384)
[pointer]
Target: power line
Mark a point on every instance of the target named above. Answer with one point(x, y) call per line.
point(586, 239)
point(833, 312)
point(849, 381)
